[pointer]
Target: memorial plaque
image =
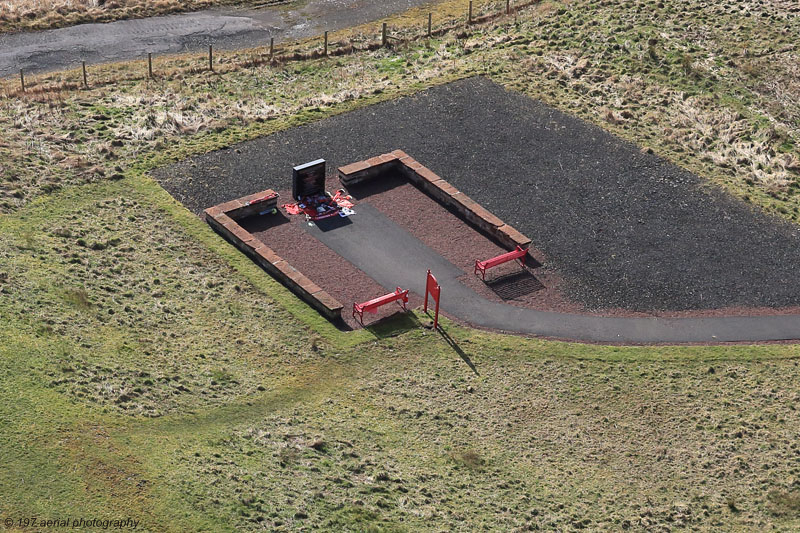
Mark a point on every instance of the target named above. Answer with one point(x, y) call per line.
point(308, 179)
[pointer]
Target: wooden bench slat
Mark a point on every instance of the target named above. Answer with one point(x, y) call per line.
point(494, 261)
point(379, 301)
point(372, 306)
point(518, 253)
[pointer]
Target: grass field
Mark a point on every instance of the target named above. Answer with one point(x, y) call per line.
point(149, 371)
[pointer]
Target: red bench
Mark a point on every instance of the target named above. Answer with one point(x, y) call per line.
point(373, 305)
point(518, 254)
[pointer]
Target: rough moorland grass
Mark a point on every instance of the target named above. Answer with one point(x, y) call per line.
point(109, 306)
point(225, 413)
point(175, 391)
point(147, 370)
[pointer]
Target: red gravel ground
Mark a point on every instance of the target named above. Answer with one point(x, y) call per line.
point(427, 220)
point(534, 287)
point(461, 244)
point(284, 234)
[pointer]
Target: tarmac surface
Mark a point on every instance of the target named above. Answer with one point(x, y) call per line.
point(393, 257)
point(624, 229)
point(224, 28)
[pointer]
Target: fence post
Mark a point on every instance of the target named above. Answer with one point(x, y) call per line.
point(22, 79)
point(271, 48)
point(211, 58)
point(150, 64)
point(325, 50)
point(508, 7)
point(383, 35)
point(430, 18)
point(469, 17)
point(85, 79)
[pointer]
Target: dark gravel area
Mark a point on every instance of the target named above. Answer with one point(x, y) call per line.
point(624, 229)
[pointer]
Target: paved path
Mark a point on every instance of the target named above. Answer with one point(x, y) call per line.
point(393, 257)
point(224, 28)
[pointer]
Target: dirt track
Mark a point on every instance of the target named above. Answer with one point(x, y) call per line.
point(224, 28)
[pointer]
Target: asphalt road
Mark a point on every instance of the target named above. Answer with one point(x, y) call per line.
point(224, 28)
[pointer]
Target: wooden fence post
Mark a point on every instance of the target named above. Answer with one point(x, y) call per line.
point(150, 65)
point(430, 19)
point(85, 79)
point(383, 35)
point(22, 79)
point(325, 49)
point(508, 7)
point(211, 58)
point(271, 48)
point(469, 17)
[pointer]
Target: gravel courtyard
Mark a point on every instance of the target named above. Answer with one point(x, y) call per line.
point(624, 229)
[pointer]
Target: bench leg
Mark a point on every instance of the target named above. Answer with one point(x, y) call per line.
point(360, 315)
point(479, 269)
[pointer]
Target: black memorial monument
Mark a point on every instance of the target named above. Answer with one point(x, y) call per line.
point(308, 179)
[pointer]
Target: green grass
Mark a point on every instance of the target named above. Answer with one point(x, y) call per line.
point(149, 370)
point(395, 434)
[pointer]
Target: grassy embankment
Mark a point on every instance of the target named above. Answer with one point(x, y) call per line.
point(149, 368)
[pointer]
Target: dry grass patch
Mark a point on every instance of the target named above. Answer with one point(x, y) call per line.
point(785, 502)
point(41, 14)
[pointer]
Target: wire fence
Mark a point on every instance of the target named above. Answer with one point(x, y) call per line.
point(272, 57)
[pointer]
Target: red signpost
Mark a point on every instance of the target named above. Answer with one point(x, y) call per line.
point(432, 287)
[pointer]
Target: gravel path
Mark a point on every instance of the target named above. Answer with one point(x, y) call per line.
point(225, 28)
point(623, 229)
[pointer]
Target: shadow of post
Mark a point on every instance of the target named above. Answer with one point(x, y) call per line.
point(454, 345)
point(401, 322)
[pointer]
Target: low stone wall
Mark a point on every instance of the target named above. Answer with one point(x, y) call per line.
point(437, 188)
point(246, 206)
point(223, 219)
